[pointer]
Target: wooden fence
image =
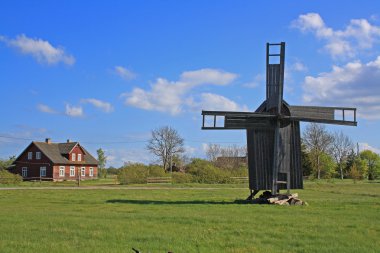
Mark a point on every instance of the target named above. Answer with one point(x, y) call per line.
point(159, 180)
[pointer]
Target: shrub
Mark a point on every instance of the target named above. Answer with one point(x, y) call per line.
point(9, 178)
point(137, 173)
point(204, 172)
point(181, 178)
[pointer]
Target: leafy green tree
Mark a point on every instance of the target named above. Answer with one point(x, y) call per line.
point(373, 163)
point(5, 163)
point(102, 160)
point(307, 168)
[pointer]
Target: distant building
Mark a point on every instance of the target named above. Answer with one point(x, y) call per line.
point(55, 161)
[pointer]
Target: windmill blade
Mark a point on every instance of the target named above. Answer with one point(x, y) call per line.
point(328, 115)
point(236, 120)
point(275, 77)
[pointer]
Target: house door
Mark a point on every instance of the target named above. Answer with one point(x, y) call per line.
point(24, 171)
point(42, 171)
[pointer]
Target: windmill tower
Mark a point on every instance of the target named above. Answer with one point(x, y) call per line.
point(273, 130)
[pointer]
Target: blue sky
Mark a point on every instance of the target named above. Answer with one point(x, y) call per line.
point(105, 73)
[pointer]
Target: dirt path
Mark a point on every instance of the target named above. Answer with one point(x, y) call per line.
point(116, 188)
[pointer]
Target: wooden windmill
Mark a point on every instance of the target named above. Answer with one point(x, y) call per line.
point(273, 130)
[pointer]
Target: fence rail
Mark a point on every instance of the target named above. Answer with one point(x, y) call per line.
point(159, 180)
point(240, 179)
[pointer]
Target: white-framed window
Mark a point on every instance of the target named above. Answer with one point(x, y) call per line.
point(91, 172)
point(79, 157)
point(61, 171)
point(73, 157)
point(83, 171)
point(42, 171)
point(24, 171)
point(72, 171)
point(38, 155)
point(30, 155)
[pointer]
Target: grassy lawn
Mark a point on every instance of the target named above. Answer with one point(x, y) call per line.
point(341, 217)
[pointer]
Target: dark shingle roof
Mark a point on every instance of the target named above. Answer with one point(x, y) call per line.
point(56, 151)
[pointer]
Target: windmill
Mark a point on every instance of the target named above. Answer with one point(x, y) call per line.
point(273, 130)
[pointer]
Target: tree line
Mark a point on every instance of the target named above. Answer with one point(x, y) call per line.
point(333, 155)
point(324, 155)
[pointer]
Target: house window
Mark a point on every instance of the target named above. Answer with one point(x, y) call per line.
point(83, 171)
point(30, 155)
point(24, 171)
point(38, 155)
point(72, 171)
point(91, 172)
point(73, 157)
point(79, 157)
point(61, 171)
point(42, 171)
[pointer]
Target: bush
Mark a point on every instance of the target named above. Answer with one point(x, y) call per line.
point(137, 173)
point(9, 178)
point(204, 172)
point(181, 178)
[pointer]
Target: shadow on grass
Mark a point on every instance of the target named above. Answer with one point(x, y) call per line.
point(176, 202)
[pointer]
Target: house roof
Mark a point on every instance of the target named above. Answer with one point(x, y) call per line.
point(56, 151)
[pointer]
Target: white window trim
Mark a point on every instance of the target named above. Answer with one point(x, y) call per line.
point(30, 155)
point(73, 157)
point(61, 168)
point(79, 157)
point(91, 171)
point(42, 169)
point(83, 171)
point(24, 172)
point(38, 155)
point(72, 171)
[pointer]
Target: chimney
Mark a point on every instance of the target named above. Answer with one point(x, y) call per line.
point(48, 140)
point(68, 140)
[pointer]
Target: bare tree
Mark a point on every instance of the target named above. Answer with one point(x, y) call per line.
point(340, 149)
point(317, 141)
point(212, 152)
point(165, 143)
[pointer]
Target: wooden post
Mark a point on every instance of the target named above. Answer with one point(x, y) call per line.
point(78, 176)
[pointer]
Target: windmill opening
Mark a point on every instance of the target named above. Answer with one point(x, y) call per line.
point(213, 121)
point(345, 114)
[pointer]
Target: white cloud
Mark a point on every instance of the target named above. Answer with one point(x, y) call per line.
point(45, 109)
point(211, 102)
point(168, 96)
point(124, 73)
point(104, 106)
point(40, 49)
point(298, 66)
point(366, 146)
point(74, 111)
point(258, 80)
point(359, 34)
point(207, 76)
point(352, 85)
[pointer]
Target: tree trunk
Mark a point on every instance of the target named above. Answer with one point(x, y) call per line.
point(341, 171)
point(318, 168)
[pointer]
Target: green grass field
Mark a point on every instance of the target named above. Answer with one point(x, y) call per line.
point(341, 217)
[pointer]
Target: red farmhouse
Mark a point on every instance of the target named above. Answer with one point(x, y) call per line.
point(56, 161)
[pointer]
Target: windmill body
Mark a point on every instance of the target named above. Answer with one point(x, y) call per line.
point(273, 130)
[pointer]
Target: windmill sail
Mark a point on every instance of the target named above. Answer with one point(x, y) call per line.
point(273, 130)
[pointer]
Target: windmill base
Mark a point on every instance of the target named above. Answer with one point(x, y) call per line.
point(278, 199)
